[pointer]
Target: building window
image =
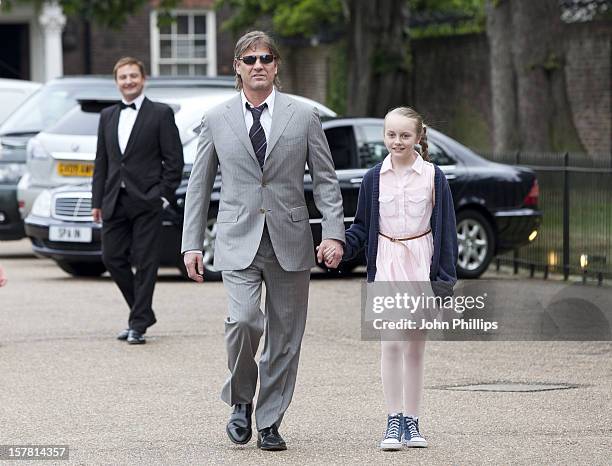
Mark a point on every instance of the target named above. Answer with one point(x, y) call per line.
point(187, 47)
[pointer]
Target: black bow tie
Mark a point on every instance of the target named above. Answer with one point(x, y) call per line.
point(124, 105)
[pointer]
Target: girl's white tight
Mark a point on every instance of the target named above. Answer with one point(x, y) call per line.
point(402, 371)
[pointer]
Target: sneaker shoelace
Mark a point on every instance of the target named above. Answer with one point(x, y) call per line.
point(412, 427)
point(393, 427)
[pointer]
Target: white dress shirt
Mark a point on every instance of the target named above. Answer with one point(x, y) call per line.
point(127, 118)
point(266, 115)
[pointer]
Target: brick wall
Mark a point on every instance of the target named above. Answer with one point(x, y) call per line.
point(133, 39)
point(305, 70)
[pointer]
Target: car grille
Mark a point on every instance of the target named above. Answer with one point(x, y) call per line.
point(75, 208)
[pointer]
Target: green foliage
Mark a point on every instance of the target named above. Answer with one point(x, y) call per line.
point(289, 17)
point(470, 6)
point(449, 17)
point(107, 13)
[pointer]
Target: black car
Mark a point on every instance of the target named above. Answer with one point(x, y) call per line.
point(496, 205)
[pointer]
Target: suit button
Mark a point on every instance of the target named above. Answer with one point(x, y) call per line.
point(122, 164)
point(262, 211)
point(263, 185)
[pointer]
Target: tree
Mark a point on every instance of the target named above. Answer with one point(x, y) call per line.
point(530, 104)
point(375, 37)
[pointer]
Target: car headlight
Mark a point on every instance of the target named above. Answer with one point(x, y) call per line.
point(10, 173)
point(36, 151)
point(42, 205)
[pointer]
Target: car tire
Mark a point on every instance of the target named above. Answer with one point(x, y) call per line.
point(82, 269)
point(476, 243)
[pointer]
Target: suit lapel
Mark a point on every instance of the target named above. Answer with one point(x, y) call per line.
point(138, 124)
point(114, 125)
point(283, 111)
point(235, 118)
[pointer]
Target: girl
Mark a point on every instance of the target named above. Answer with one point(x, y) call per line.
point(406, 221)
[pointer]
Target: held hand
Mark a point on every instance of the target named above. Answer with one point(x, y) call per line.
point(97, 215)
point(330, 251)
point(194, 264)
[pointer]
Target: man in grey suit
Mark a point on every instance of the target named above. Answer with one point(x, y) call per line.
point(261, 140)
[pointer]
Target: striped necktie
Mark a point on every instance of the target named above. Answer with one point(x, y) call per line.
point(257, 134)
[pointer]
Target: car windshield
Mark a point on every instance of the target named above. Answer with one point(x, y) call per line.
point(78, 122)
point(10, 98)
point(46, 106)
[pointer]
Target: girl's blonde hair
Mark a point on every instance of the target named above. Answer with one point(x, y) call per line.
point(421, 127)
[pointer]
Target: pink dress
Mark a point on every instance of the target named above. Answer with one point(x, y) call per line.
point(406, 202)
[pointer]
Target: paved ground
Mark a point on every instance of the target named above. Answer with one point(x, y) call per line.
point(65, 380)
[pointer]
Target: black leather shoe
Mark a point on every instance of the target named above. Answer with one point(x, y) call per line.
point(270, 440)
point(123, 335)
point(135, 338)
point(239, 425)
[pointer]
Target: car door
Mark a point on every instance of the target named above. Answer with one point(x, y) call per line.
point(342, 143)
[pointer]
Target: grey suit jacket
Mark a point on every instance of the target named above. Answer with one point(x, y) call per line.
point(250, 197)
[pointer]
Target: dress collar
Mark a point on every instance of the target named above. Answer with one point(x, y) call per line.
point(417, 165)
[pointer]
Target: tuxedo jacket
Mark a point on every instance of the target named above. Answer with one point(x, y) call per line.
point(252, 197)
point(151, 166)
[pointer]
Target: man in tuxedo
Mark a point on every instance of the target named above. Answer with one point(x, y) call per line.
point(139, 164)
point(261, 140)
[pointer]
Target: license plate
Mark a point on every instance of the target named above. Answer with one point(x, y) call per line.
point(70, 234)
point(75, 169)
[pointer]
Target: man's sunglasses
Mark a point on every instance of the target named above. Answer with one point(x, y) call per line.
point(252, 59)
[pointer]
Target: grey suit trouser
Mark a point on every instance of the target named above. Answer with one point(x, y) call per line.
point(284, 322)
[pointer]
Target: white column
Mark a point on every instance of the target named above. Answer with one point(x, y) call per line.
point(52, 20)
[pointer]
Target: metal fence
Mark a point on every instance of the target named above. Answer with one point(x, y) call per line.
point(576, 199)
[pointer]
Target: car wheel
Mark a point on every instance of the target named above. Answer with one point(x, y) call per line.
point(476, 243)
point(82, 269)
point(208, 254)
point(210, 235)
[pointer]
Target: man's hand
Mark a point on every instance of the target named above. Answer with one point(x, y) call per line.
point(194, 264)
point(97, 215)
point(330, 251)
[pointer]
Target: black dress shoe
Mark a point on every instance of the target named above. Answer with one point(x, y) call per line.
point(270, 440)
point(135, 338)
point(123, 335)
point(239, 425)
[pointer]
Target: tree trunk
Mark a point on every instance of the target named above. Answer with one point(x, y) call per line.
point(359, 56)
point(388, 87)
point(531, 110)
point(503, 78)
point(376, 56)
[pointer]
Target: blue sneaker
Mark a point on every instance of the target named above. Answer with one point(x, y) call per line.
point(412, 436)
point(393, 434)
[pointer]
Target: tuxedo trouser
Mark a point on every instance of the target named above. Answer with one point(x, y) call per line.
point(284, 321)
point(130, 238)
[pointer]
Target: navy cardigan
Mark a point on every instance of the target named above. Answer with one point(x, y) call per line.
point(364, 231)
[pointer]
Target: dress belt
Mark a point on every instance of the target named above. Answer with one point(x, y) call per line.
point(404, 239)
